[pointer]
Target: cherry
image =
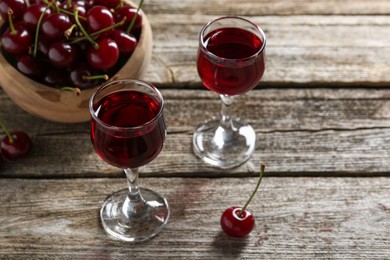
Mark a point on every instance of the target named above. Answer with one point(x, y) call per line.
point(32, 14)
point(30, 66)
point(15, 145)
point(18, 8)
point(43, 48)
point(84, 76)
point(55, 25)
point(46, 39)
point(56, 78)
point(62, 54)
point(98, 18)
point(87, 3)
point(105, 56)
point(237, 221)
point(126, 42)
point(80, 5)
point(111, 4)
point(128, 12)
point(236, 226)
point(17, 39)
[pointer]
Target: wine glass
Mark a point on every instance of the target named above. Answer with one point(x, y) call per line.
point(230, 62)
point(128, 131)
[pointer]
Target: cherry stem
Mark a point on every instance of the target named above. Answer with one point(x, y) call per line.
point(72, 14)
point(69, 31)
point(76, 90)
point(76, 18)
point(134, 17)
point(38, 29)
point(11, 23)
point(79, 39)
point(7, 132)
point(104, 76)
point(262, 168)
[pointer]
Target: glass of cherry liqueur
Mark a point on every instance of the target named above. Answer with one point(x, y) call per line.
point(230, 62)
point(128, 131)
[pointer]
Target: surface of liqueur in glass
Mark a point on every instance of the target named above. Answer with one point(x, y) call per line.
point(122, 147)
point(224, 66)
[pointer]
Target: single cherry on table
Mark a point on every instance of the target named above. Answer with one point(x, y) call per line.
point(237, 221)
point(15, 145)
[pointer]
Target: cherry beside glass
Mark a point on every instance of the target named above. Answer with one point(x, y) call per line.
point(230, 62)
point(128, 131)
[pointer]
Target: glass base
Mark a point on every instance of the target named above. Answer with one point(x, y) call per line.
point(141, 226)
point(224, 147)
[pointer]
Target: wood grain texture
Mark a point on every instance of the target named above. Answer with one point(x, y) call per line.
point(320, 131)
point(322, 111)
point(266, 7)
point(297, 218)
point(340, 50)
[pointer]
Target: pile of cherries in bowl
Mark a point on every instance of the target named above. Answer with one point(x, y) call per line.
point(69, 43)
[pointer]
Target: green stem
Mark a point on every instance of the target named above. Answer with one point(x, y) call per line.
point(11, 23)
point(72, 89)
point(69, 31)
point(76, 18)
point(7, 132)
point(38, 29)
point(104, 77)
point(262, 168)
point(72, 14)
point(134, 17)
point(97, 33)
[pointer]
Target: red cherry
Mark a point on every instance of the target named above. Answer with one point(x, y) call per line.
point(237, 221)
point(17, 42)
point(128, 12)
point(126, 42)
point(55, 25)
point(84, 76)
point(16, 148)
point(32, 14)
point(236, 226)
point(81, 7)
point(104, 57)
point(43, 48)
point(55, 77)
point(108, 3)
point(98, 18)
point(18, 8)
point(62, 55)
point(30, 66)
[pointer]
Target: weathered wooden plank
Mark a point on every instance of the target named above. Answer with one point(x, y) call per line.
point(300, 218)
point(300, 49)
point(266, 7)
point(299, 131)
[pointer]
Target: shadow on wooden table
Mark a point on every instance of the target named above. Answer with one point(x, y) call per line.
point(229, 246)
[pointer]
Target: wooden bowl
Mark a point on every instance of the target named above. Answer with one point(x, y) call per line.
point(65, 106)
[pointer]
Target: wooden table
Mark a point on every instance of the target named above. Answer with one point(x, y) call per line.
point(322, 118)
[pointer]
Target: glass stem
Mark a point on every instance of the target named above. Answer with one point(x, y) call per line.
point(226, 121)
point(134, 204)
